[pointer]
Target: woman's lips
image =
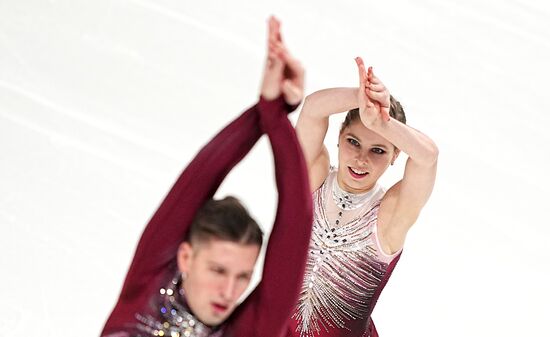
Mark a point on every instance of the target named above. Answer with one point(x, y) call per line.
point(357, 174)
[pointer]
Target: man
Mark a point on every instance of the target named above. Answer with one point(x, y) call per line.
point(190, 288)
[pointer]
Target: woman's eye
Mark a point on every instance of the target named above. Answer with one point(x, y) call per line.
point(353, 142)
point(378, 150)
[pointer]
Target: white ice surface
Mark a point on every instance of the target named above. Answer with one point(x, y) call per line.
point(102, 103)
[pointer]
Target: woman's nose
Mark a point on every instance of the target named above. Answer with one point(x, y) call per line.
point(362, 158)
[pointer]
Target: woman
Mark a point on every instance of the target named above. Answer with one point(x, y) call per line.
point(359, 229)
point(194, 259)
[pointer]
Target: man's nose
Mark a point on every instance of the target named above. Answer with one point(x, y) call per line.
point(228, 288)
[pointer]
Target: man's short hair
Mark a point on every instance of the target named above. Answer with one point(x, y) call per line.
point(225, 219)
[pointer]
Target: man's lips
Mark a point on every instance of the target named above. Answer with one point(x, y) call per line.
point(220, 308)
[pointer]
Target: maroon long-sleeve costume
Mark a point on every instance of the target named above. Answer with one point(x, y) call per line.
point(267, 310)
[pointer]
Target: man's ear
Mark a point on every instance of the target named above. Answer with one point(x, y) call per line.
point(185, 257)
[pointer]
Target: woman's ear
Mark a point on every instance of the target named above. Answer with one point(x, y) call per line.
point(396, 153)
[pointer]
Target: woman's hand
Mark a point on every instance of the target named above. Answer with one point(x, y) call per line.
point(283, 74)
point(373, 97)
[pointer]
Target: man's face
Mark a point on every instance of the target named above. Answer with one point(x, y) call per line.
point(217, 273)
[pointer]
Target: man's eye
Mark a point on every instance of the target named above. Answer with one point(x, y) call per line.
point(244, 277)
point(217, 270)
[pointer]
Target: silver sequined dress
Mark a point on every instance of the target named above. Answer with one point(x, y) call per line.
point(346, 268)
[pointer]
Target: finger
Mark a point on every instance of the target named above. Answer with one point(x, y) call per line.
point(373, 78)
point(271, 27)
point(385, 112)
point(361, 72)
point(382, 100)
point(275, 25)
point(279, 35)
point(376, 87)
point(276, 48)
point(381, 97)
point(368, 101)
point(270, 39)
point(274, 37)
point(275, 64)
point(278, 66)
point(279, 46)
point(363, 97)
point(274, 20)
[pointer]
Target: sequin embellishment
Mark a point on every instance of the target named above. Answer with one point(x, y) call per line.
point(176, 319)
point(342, 272)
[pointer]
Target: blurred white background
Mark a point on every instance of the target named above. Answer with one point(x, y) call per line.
point(103, 103)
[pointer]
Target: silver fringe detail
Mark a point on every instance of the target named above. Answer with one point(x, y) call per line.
point(342, 272)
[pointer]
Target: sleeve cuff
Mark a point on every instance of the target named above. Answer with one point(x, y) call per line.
point(277, 103)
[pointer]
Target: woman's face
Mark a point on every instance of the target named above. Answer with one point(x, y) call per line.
point(363, 156)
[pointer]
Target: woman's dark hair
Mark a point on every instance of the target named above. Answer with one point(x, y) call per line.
point(225, 219)
point(396, 111)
